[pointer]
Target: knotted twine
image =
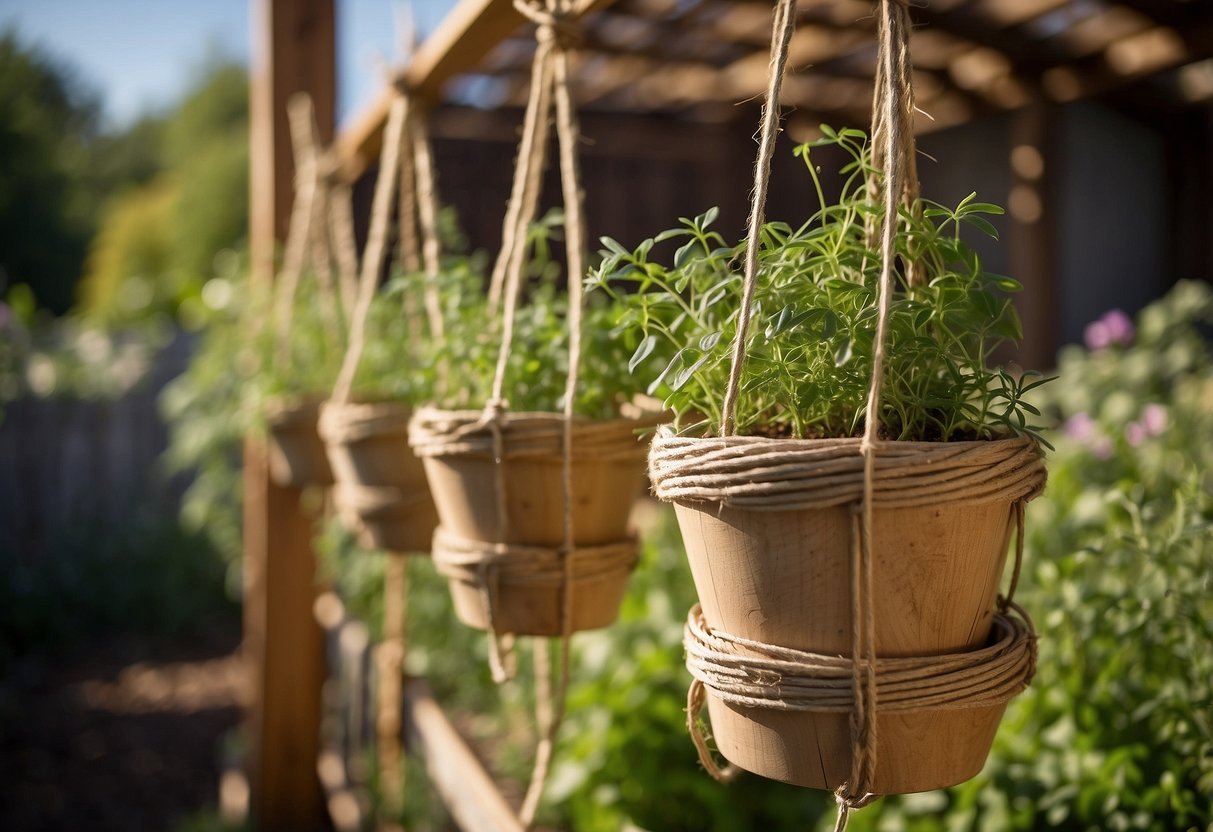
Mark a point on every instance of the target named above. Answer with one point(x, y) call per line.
point(555, 34)
point(893, 135)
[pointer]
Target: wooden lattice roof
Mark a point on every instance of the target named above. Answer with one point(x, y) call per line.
point(700, 59)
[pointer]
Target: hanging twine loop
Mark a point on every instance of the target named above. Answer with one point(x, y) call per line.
point(556, 34)
point(894, 149)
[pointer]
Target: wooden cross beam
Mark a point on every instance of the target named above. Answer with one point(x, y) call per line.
point(463, 39)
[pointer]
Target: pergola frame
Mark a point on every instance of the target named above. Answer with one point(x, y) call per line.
point(294, 52)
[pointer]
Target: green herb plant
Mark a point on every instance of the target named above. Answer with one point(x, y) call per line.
point(809, 343)
point(315, 344)
point(538, 359)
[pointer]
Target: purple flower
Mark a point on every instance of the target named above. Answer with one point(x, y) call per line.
point(1115, 327)
point(1154, 419)
point(1136, 433)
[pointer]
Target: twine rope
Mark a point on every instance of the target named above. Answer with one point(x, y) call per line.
point(302, 230)
point(893, 34)
point(532, 566)
point(781, 36)
point(409, 241)
point(550, 95)
point(345, 249)
point(376, 246)
point(751, 674)
point(763, 474)
point(427, 216)
point(435, 432)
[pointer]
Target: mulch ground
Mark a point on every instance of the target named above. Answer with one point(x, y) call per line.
point(118, 734)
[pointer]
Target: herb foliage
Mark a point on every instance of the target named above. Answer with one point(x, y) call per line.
point(809, 344)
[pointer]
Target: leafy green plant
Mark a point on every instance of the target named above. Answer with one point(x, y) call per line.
point(538, 359)
point(809, 344)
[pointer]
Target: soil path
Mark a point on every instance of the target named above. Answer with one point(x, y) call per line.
point(117, 735)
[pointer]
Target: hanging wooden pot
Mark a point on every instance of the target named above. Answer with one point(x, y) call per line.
point(380, 491)
point(503, 519)
point(296, 452)
point(769, 527)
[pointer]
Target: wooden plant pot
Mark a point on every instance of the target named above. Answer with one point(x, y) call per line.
point(771, 570)
point(458, 450)
point(380, 492)
point(296, 452)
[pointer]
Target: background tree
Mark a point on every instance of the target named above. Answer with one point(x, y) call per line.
point(156, 243)
point(48, 123)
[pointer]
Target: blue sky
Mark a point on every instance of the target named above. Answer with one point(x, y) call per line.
point(141, 54)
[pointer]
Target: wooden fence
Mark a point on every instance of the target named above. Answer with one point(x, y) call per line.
point(68, 464)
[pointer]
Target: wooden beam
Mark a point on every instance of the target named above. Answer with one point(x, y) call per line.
point(462, 41)
point(294, 51)
point(466, 789)
point(1032, 244)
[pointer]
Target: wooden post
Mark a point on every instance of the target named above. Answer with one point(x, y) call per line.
point(389, 660)
point(1032, 243)
point(293, 51)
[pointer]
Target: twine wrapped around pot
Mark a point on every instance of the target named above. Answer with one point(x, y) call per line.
point(515, 589)
point(755, 675)
point(763, 474)
point(435, 432)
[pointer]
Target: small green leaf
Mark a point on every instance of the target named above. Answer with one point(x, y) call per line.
point(643, 351)
point(614, 247)
point(842, 353)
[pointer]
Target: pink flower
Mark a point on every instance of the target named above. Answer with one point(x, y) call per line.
point(1135, 433)
point(1101, 448)
point(1154, 419)
point(1080, 427)
point(1115, 327)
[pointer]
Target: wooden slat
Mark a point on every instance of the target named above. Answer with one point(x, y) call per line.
point(464, 38)
point(466, 789)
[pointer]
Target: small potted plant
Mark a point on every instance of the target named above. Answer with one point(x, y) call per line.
point(380, 490)
point(769, 515)
point(497, 481)
point(297, 365)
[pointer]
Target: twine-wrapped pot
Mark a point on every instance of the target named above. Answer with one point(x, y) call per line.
point(296, 452)
point(380, 491)
point(500, 517)
point(520, 587)
point(770, 526)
